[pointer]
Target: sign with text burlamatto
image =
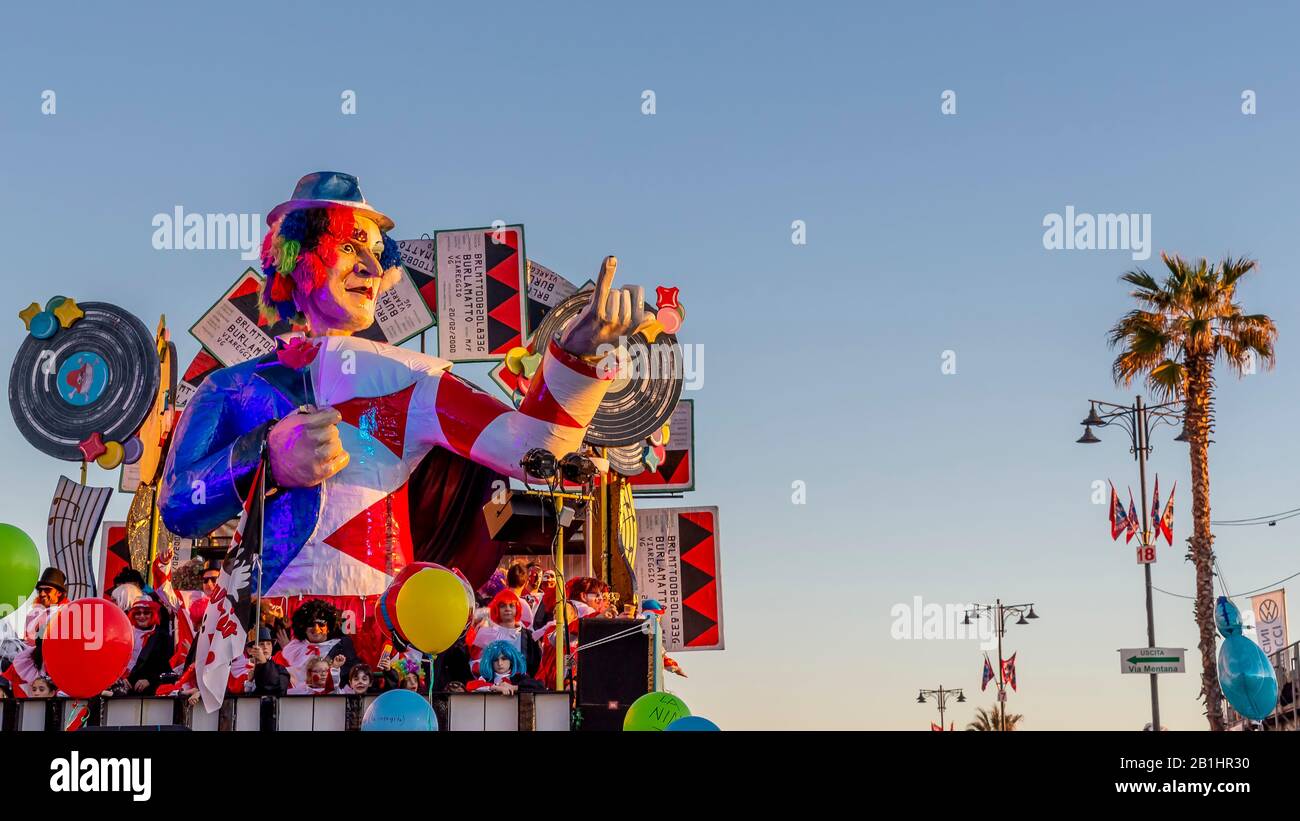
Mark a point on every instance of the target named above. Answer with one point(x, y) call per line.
point(417, 257)
point(233, 330)
point(679, 563)
point(482, 278)
point(400, 313)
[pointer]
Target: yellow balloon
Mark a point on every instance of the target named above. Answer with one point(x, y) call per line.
point(432, 610)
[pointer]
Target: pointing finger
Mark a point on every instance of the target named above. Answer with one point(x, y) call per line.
point(605, 279)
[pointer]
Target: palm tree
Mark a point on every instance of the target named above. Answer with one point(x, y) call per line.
point(1173, 339)
point(992, 720)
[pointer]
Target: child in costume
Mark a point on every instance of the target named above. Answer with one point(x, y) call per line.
point(317, 634)
point(360, 680)
point(504, 626)
point(503, 671)
point(318, 679)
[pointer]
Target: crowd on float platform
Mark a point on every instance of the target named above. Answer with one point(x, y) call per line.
point(509, 646)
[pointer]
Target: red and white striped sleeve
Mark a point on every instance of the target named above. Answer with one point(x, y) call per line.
point(565, 394)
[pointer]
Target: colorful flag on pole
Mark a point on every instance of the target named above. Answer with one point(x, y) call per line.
point(1009, 671)
point(1117, 515)
point(988, 673)
point(1166, 523)
point(1155, 507)
point(231, 612)
point(1132, 524)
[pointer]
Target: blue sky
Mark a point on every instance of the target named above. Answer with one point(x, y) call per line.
point(924, 235)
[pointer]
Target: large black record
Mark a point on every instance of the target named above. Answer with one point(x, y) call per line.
point(641, 399)
point(98, 376)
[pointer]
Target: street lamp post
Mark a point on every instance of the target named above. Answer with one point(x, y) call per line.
point(999, 613)
point(942, 698)
point(1138, 420)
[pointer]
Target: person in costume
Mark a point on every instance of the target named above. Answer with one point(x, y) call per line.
point(186, 606)
point(317, 635)
point(517, 583)
point(345, 420)
point(151, 650)
point(318, 679)
point(50, 593)
point(503, 671)
point(360, 680)
point(505, 626)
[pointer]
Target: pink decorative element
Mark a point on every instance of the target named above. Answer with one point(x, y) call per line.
point(298, 354)
point(670, 320)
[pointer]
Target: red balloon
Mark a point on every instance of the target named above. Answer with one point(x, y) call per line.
point(87, 644)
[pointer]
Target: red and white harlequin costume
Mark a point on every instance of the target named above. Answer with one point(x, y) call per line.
point(350, 535)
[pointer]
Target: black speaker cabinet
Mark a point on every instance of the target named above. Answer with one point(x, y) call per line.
point(613, 674)
point(525, 519)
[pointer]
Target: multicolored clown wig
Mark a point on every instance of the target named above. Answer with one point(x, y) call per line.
point(298, 252)
point(496, 650)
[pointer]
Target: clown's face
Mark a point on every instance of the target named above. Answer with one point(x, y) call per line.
point(347, 302)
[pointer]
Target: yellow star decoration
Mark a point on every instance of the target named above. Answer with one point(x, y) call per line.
point(28, 314)
point(68, 312)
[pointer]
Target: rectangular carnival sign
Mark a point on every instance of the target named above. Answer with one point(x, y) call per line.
point(482, 278)
point(679, 563)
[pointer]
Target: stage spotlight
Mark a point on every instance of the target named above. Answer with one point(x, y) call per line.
point(577, 468)
point(539, 463)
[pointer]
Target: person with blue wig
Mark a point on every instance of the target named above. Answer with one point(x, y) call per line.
point(502, 669)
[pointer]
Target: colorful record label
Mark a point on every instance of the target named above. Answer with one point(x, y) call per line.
point(82, 378)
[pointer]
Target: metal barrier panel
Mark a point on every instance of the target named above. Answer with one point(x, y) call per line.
point(158, 711)
point(248, 715)
point(465, 713)
point(329, 713)
point(296, 713)
point(201, 719)
point(472, 712)
point(124, 712)
point(501, 713)
point(32, 715)
point(551, 712)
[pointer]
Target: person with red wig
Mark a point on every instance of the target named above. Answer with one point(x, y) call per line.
point(504, 611)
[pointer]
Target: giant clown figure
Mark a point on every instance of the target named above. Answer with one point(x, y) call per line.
point(344, 420)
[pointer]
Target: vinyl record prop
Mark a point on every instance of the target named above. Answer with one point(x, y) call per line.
point(83, 380)
point(644, 391)
point(1246, 677)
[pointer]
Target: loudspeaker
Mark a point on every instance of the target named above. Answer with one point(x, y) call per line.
point(613, 674)
point(526, 519)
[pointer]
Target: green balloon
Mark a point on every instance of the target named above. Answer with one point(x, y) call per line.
point(654, 712)
point(20, 566)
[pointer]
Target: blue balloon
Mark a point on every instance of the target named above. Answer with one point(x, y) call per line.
point(399, 710)
point(697, 724)
point(1245, 674)
point(1227, 618)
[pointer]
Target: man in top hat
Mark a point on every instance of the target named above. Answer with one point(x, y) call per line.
point(344, 420)
point(51, 592)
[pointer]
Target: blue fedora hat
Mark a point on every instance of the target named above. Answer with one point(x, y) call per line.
point(324, 188)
